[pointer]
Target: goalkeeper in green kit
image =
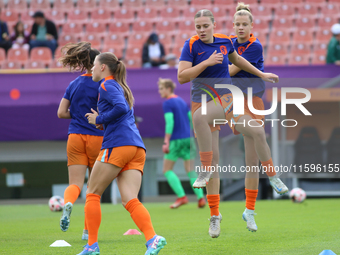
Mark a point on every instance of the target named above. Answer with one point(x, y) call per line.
point(177, 142)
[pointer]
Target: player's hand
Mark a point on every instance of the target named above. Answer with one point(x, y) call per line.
point(91, 117)
point(100, 126)
point(270, 77)
point(215, 58)
point(165, 148)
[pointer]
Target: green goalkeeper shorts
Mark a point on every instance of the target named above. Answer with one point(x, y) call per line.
point(181, 148)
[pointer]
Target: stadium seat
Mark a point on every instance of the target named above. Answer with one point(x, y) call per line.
point(277, 50)
point(292, 2)
point(111, 5)
point(97, 28)
point(274, 60)
point(326, 22)
point(149, 14)
point(42, 5)
point(17, 5)
point(63, 5)
point(43, 54)
point(12, 65)
point(124, 15)
point(35, 65)
point(178, 3)
point(67, 38)
point(142, 26)
point(320, 49)
point(219, 12)
point(224, 3)
point(305, 23)
point(166, 26)
point(114, 40)
point(318, 59)
point(165, 38)
point(138, 39)
point(261, 11)
point(271, 4)
point(282, 23)
point(76, 29)
point(261, 35)
point(55, 64)
point(308, 10)
point(118, 51)
point(133, 63)
point(189, 13)
point(159, 4)
point(285, 11)
point(323, 35)
point(280, 36)
point(133, 52)
point(86, 5)
point(298, 60)
point(180, 38)
point(2, 55)
point(93, 39)
point(330, 10)
point(177, 50)
point(27, 16)
point(119, 28)
point(10, 16)
point(77, 15)
point(17, 55)
point(58, 17)
point(58, 53)
point(308, 147)
point(132, 4)
point(170, 13)
point(101, 15)
point(333, 147)
point(301, 49)
point(303, 36)
point(261, 24)
point(187, 26)
point(201, 4)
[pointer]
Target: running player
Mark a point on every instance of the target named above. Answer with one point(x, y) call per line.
point(84, 140)
point(255, 142)
point(177, 142)
point(204, 59)
point(122, 154)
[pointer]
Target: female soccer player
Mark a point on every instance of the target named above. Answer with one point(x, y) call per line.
point(256, 146)
point(84, 140)
point(122, 154)
point(177, 142)
point(204, 59)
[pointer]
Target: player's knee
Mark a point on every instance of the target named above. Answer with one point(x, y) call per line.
point(258, 133)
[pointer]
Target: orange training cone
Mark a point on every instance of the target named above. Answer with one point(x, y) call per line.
point(132, 232)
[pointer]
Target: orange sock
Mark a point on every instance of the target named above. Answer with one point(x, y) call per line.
point(206, 159)
point(269, 167)
point(251, 195)
point(85, 224)
point(214, 203)
point(141, 217)
point(93, 216)
point(71, 193)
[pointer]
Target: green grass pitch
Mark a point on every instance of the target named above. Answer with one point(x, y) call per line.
point(283, 228)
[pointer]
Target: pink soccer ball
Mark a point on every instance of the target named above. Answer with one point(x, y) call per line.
point(297, 195)
point(56, 203)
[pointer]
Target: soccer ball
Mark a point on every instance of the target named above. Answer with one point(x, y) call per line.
point(56, 203)
point(297, 195)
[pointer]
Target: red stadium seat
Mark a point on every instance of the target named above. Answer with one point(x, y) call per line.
point(12, 65)
point(124, 15)
point(160, 4)
point(261, 35)
point(133, 52)
point(114, 40)
point(201, 4)
point(261, 24)
point(9, 16)
point(42, 5)
point(308, 10)
point(135, 4)
point(326, 22)
point(299, 60)
point(180, 38)
point(275, 61)
point(319, 54)
point(101, 15)
point(177, 50)
point(170, 13)
point(18, 5)
point(119, 28)
point(118, 51)
point(97, 28)
point(271, 4)
point(109, 4)
point(133, 63)
point(35, 65)
point(58, 17)
point(138, 39)
point(282, 23)
point(86, 4)
point(178, 3)
point(93, 39)
point(67, 38)
point(142, 26)
point(219, 12)
point(261, 11)
point(55, 64)
point(63, 5)
point(149, 14)
point(58, 53)
point(2, 55)
point(292, 2)
point(301, 49)
point(27, 16)
point(280, 36)
point(330, 10)
point(17, 55)
point(318, 59)
point(75, 29)
point(166, 26)
point(305, 23)
point(43, 54)
point(286, 11)
point(323, 35)
point(277, 50)
point(303, 36)
point(187, 26)
point(165, 38)
point(77, 15)
point(189, 13)
point(224, 3)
